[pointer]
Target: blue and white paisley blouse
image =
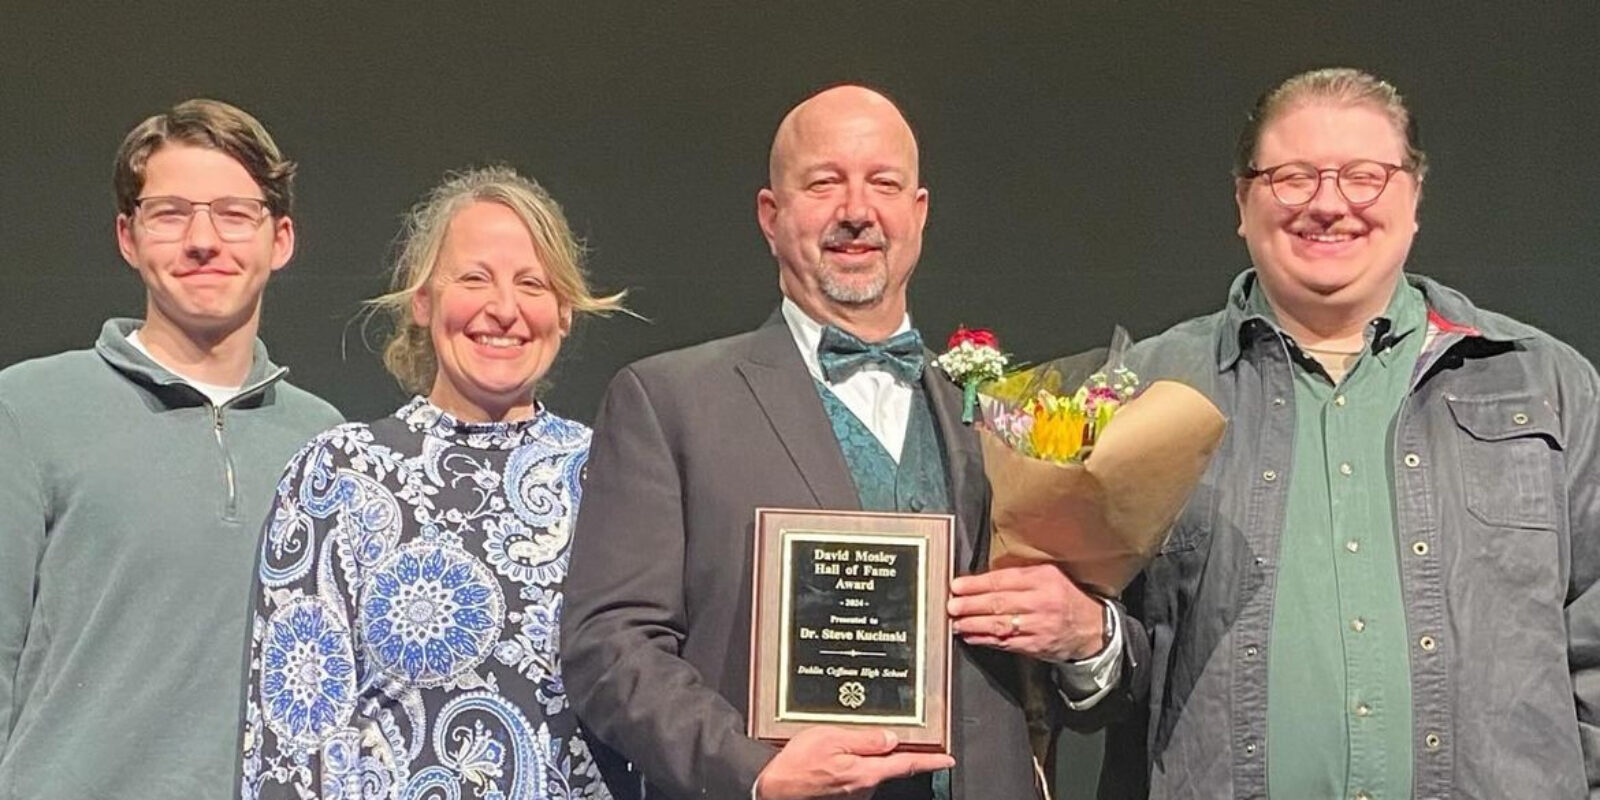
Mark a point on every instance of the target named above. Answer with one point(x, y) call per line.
point(404, 639)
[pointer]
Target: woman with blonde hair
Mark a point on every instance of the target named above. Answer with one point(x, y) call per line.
point(405, 631)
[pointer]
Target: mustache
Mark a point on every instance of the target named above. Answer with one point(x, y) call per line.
point(842, 235)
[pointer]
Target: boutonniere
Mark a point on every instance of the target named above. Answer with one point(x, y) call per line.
point(973, 357)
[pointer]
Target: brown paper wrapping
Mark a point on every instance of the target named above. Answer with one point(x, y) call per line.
point(1104, 519)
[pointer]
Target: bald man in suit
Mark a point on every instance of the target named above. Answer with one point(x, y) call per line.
point(688, 444)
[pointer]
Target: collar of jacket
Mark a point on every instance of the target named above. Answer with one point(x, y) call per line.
point(1448, 310)
point(174, 391)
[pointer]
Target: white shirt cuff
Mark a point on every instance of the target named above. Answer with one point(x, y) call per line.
point(1093, 678)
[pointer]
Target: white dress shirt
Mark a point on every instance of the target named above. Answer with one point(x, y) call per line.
point(877, 398)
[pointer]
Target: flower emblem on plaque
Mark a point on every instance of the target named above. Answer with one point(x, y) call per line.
point(852, 694)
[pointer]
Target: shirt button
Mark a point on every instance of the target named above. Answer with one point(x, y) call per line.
point(1420, 548)
point(1277, 401)
point(916, 504)
point(1412, 459)
point(1338, 400)
point(1358, 624)
point(1269, 476)
point(1353, 546)
point(1260, 561)
point(1250, 748)
point(1363, 710)
point(1362, 796)
point(1431, 741)
point(1345, 469)
point(1519, 418)
point(1427, 643)
point(1250, 651)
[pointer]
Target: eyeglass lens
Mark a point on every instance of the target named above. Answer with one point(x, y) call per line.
point(1361, 182)
point(235, 218)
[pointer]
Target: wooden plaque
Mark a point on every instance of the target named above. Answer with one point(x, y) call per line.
point(849, 624)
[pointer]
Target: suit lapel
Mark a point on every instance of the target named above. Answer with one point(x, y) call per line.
point(784, 390)
point(968, 486)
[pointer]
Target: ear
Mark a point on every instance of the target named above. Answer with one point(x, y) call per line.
point(566, 320)
point(125, 243)
point(767, 216)
point(1416, 204)
point(282, 242)
point(422, 307)
point(921, 211)
point(1241, 196)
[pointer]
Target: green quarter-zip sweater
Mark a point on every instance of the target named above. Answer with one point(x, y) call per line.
point(130, 510)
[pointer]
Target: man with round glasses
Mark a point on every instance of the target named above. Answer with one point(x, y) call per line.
point(135, 479)
point(1386, 584)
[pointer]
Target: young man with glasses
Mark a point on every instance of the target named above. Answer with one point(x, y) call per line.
point(1386, 584)
point(135, 477)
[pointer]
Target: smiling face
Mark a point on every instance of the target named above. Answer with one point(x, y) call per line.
point(1329, 254)
point(844, 212)
point(494, 320)
point(199, 286)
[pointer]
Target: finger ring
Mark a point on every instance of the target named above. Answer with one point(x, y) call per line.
point(1016, 624)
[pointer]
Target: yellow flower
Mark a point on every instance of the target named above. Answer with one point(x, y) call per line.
point(1057, 433)
point(1102, 418)
point(1018, 388)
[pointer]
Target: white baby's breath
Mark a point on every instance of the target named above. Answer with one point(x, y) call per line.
point(967, 361)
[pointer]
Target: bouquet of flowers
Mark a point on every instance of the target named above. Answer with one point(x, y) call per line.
point(1032, 413)
point(1087, 468)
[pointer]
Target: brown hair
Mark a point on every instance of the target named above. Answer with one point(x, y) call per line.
point(1338, 85)
point(216, 125)
point(408, 355)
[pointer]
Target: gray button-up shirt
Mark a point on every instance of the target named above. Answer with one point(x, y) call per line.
point(1497, 503)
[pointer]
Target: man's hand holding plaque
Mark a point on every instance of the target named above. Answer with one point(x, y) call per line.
point(828, 761)
point(1034, 611)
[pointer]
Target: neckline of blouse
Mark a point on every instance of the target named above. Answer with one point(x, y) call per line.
point(424, 417)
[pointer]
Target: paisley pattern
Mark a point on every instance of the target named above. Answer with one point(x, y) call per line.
point(432, 612)
point(308, 676)
point(404, 638)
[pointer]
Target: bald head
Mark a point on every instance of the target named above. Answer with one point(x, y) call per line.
point(844, 211)
point(820, 116)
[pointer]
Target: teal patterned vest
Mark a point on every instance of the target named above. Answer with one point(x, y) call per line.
point(918, 484)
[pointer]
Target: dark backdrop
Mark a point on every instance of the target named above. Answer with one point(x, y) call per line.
point(1077, 153)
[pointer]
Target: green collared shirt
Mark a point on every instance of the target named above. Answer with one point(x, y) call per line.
point(1339, 676)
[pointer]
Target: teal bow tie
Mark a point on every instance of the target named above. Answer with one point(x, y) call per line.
point(841, 354)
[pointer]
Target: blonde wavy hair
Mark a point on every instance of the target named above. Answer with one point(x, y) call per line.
point(408, 354)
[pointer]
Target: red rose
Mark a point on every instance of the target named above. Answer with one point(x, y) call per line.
point(979, 337)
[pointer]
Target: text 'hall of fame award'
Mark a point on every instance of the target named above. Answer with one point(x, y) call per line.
point(849, 625)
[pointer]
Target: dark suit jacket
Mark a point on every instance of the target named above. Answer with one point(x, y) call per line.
point(657, 624)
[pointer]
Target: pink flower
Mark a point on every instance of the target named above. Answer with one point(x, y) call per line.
point(1099, 395)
